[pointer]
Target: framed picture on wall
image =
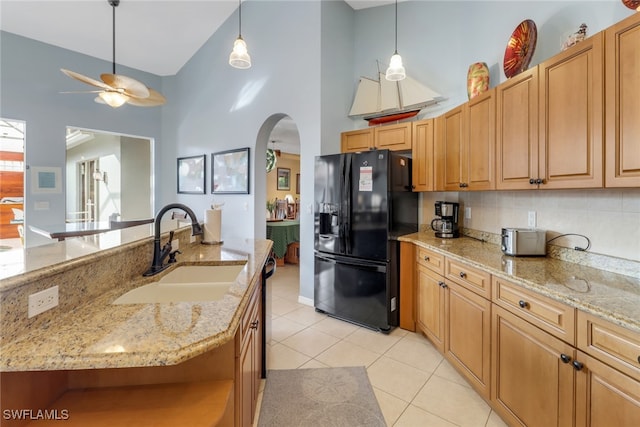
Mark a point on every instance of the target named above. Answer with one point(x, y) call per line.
point(191, 174)
point(230, 172)
point(284, 179)
point(297, 183)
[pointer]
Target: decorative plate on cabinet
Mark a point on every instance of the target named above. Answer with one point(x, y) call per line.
point(632, 4)
point(477, 79)
point(520, 48)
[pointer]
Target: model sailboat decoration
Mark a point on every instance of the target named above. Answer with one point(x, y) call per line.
point(381, 101)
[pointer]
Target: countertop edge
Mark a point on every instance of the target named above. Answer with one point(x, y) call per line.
point(575, 302)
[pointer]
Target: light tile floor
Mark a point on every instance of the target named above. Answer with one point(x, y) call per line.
point(415, 386)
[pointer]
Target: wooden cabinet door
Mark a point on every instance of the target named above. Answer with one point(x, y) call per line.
point(622, 103)
point(422, 154)
point(571, 117)
point(430, 307)
point(468, 335)
point(356, 140)
point(450, 147)
point(605, 397)
point(517, 131)
point(249, 361)
point(478, 161)
point(530, 385)
point(393, 137)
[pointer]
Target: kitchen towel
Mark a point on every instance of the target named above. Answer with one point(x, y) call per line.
point(212, 226)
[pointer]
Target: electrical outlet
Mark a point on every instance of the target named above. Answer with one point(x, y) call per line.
point(43, 301)
point(531, 219)
point(175, 244)
point(467, 213)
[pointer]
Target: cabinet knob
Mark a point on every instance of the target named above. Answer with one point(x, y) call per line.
point(442, 284)
point(565, 358)
point(577, 365)
point(413, 187)
point(426, 258)
point(532, 181)
point(254, 324)
point(539, 181)
point(463, 274)
point(523, 304)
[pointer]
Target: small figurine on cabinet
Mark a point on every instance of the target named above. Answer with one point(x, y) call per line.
point(576, 37)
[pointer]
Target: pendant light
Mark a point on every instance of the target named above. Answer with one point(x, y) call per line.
point(395, 71)
point(239, 57)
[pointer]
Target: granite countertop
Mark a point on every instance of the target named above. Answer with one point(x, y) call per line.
point(102, 335)
point(614, 297)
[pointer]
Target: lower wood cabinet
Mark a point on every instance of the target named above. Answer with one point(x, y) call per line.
point(533, 376)
point(430, 317)
point(537, 361)
point(468, 335)
point(249, 361)
point(604, 396)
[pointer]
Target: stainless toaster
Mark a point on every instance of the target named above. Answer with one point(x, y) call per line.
point(524, 242)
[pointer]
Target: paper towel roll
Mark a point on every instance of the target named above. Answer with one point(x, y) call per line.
point(212, 224)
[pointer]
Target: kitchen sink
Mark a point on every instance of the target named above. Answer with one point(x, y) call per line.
point(184, 284)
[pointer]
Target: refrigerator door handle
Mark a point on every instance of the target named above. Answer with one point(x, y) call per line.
point(347, 199)
point(364, 265)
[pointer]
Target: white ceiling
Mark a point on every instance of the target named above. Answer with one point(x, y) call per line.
point(171, 31)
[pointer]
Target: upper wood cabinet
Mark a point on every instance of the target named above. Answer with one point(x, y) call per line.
point(517, 131)
point(356, 140)
point(571, 117)
point(466, 146)
point(550, 122)
point(622, 103)
point(392, 137)
point(422, 154)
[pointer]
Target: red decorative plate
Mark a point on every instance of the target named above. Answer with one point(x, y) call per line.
point(520, 48)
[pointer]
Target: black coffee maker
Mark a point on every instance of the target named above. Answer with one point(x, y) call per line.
point(446, 226)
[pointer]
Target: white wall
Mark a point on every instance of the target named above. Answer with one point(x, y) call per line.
point(31, 82)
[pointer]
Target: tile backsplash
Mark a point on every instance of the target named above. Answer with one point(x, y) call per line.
point(610, 218)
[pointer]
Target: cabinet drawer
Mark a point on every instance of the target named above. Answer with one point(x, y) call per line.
point(552, 316)
point(430, 259)
point(613, 344)
point(472, 278)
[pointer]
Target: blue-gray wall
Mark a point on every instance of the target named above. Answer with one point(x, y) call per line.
point(307, 57)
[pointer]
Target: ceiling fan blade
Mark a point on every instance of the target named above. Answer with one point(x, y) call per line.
point(85, 79)
point(154, 99)
point(81, 91)
point(132, 87)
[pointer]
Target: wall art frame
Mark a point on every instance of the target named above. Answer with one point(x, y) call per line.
point(230, 171)
point(284, 179)
point(191, 174)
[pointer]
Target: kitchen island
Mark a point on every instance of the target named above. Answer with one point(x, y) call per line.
point(88, 343)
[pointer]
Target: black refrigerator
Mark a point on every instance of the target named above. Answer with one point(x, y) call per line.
point(363, 202)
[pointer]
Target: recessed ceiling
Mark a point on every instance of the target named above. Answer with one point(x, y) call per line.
point(169, 32)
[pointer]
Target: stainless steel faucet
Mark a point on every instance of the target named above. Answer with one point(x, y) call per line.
point(160, 253)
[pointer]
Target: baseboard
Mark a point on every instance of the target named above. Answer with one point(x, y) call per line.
point(305, 301)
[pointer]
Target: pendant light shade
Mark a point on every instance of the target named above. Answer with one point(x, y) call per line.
point(395, 71)
point(239, 57)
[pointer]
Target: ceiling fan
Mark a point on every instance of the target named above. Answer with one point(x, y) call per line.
point(117, 89)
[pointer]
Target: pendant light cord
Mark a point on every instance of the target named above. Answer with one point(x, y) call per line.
point(113, 4)
point(240, 18)
point(396, 47)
